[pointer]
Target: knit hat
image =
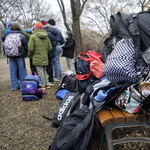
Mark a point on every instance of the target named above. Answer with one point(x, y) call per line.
point(45, 24)
point(51, 21)
point(69, 33)
point(38, 25)
point(34, 22)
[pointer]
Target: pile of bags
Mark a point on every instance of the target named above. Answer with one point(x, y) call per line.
point(116, 77)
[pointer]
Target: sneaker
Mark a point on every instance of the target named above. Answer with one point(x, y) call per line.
point(52, 83)
point(48, 86)
point(44, 88)
point(57, 79)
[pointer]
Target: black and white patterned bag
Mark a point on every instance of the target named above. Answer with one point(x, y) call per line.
point(121, 65)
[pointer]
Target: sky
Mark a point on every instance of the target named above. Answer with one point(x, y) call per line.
point(55, 6)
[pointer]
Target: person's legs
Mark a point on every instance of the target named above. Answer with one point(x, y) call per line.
point(50, 70)
point(56, 62)
point(32, 67)
point(22, 68)
point(59, 50)
point(13, 74)
point(69, 64)
point(40, 71)
point(46, 78)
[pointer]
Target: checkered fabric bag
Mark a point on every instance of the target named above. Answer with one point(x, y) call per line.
point(121, 65)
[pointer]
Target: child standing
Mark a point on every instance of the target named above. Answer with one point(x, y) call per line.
point(38, 48)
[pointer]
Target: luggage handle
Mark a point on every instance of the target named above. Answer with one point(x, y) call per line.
point(32, 72)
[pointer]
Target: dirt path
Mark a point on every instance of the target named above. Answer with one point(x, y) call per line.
point(22, 126)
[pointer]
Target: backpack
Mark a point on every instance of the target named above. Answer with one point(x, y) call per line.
point(87, 64)
point(131, 99)
point(31, 88)
point(75, 132)
point(70, 103)
point(67, 81)
point(124, 63)
point(12, 45)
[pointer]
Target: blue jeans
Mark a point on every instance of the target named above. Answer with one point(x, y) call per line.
point(56, 62)
point(17, 65)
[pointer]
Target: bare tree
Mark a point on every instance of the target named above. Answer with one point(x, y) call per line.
point(24, 11)
point(77, 7)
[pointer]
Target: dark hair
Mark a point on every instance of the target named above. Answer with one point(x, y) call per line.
point(15, 26)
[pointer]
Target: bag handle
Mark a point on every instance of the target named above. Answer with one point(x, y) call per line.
point(83, 76)
point(83, 58)
point(32, 72)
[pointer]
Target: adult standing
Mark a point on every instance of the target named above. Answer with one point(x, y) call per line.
point(17, 48)
point(68, 49)
point(56, 59)
point(39, 46)
point(52, 33)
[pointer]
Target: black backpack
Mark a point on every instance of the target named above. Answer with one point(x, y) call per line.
point(83, 68)
point(75, 132)
point(135, 26)
point(71, 102)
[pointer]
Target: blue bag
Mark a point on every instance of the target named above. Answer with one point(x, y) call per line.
point(61, 94)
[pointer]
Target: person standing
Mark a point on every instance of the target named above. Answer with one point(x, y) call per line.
point(52, 33)
point(38, 48)
point(16, 48)
point(56, 59)
point(68, 49)
point(27, 35)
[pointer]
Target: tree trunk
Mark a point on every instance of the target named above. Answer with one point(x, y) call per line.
point(77, 36)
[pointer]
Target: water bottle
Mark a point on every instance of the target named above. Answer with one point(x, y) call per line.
point(101, 95)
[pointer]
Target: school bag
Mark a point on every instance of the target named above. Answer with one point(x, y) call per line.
point(70, 103)
point(12, 45)
point(124, 63)
point(75, 132)
point(31, 88)
point(88, 66)
point(67, 81)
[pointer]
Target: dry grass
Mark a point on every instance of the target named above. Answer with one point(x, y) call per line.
point(21, 123)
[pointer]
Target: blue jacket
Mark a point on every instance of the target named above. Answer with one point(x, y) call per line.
point(52, 35)
point(60, 38)
point(8, 28)
point(24, 43)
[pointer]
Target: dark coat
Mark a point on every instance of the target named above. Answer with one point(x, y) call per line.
point(68, 48)
point(52, 33)
point(60, 38)
point(24, 43)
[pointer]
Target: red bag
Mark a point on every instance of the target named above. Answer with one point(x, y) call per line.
point(96, 65)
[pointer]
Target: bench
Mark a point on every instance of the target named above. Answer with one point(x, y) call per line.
point(116, 118)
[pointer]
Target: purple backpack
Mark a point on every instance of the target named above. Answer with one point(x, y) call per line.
point(68, 81)
point(31, 88)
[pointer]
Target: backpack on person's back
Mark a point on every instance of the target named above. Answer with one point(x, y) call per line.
point(12, 45)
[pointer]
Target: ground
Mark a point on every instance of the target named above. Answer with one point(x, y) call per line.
point(22, 126)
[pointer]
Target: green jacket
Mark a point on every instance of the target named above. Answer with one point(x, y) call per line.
point(38, 47)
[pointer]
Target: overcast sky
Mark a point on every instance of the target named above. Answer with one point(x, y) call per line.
point(55, 6)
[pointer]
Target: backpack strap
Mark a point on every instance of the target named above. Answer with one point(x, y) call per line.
point(83, 58)
point(83, 76)
point(134, 32)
